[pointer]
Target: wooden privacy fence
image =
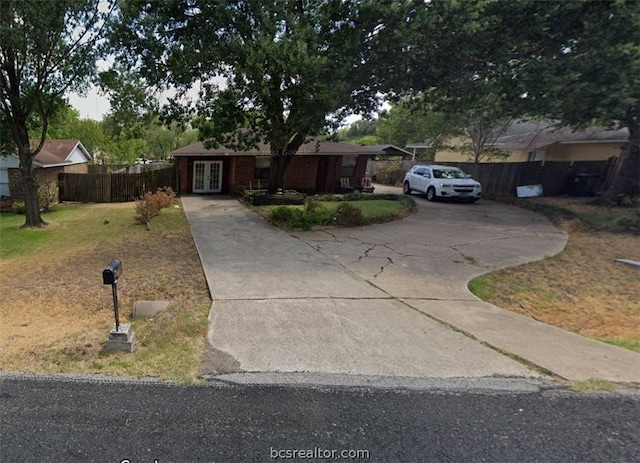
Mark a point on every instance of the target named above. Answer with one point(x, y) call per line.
point(113, 188)
point(502, 178)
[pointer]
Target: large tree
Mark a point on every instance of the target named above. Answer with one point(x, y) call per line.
point(574, 61)
point(272, 71)
point(46, 50)
point(582, 67)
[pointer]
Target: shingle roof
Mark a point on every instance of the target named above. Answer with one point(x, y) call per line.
point(314, 147)
point(537, 134)
point(56, 151)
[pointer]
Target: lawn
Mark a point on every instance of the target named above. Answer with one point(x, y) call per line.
point(583, 289)
point(57, 313)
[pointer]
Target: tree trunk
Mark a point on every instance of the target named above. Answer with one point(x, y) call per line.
point(277, 173)
point(29, 190)
point(281, 156)
point(626, 180)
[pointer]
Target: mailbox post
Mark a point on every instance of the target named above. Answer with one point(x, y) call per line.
point(121, 338)
point(110, 276)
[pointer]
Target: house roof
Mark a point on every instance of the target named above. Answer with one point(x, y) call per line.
point(531, 135)
point(391, 150)
point(56, 153)
point(312, 148)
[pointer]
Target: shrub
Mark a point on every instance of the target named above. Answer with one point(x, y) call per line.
point(46, 195)
point(293, 217)
point(165, 197)
point(390, 175)
point(19, 207)
point(281, 215)
point(312, 204)
point(348, 215)
point(150, 205)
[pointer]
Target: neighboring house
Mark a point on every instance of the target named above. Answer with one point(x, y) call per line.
point(7, 162)
point(55, 157)
point(317, 167)
point(543, 141)
point(391, 151)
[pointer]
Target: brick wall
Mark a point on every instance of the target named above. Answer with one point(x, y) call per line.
point(302, 174)
point(184, 186)
point(241, 175)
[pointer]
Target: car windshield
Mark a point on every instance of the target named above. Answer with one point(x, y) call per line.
point(449, 173)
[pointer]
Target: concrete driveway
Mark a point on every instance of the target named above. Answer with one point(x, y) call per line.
point(386, 300)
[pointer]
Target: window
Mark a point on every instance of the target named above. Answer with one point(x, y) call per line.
point(348, 166)
point(262, 167)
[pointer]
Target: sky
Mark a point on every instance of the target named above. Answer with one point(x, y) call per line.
point(93, 106)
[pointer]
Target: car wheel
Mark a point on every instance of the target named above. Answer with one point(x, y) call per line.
point(431, 194)
point(406, 189)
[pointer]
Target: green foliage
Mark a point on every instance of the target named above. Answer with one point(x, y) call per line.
point(593, 217)
point(625, 344)
point(162, 139)
point(390, 174)
point(291, 217)
point(339, 210)
point(367, 140)
point(348, 215)
point(479, 287)
point(19, 207)
point(358, 130)
point(126, 151)
point(298, 71)
point(412, 121)
point(312, 204)
point(17, 241)
point(46, 51)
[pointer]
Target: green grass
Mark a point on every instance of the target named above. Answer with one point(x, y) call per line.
point(15, 241)
point(629, 344)
point(71, 225)
point(592, 217)
point(593, 385)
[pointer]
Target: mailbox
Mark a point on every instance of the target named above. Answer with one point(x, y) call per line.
point(113, 271)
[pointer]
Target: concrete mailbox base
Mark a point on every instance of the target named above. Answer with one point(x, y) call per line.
point(122, 339)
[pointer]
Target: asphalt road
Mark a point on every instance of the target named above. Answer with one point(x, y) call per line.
point(45, 420)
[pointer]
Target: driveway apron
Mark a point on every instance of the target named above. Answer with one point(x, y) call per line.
point(281, 305)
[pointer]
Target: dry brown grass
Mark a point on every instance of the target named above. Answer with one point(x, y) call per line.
point(56, 313)
point(582, 290)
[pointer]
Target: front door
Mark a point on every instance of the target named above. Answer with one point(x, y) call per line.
point(207, 176)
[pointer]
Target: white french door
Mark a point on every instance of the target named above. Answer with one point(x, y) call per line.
point(207, 176)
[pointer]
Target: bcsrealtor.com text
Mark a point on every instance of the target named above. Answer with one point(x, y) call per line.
point(317, 453)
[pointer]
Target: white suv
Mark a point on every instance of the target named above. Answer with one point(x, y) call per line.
point(441, 182)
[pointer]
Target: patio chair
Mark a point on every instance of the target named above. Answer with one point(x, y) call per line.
point(367, 187)
point(345, 185)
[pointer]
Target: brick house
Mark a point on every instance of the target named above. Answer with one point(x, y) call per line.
point(317, 167)
point(55, 157)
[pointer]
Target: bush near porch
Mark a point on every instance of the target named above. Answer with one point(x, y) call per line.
point(340, 210)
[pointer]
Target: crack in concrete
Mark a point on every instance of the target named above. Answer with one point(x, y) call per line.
point(390, 262)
